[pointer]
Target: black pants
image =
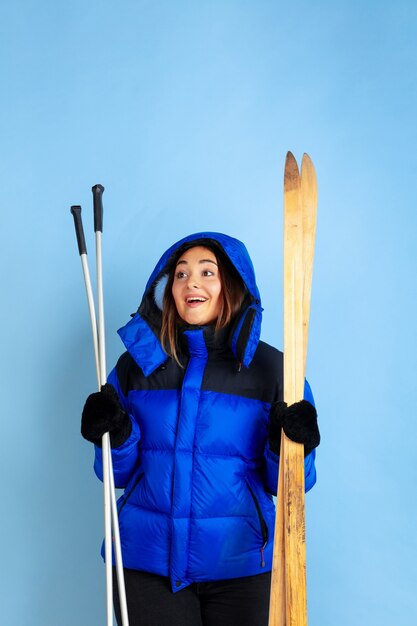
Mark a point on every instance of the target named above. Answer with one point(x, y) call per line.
point(234, 602)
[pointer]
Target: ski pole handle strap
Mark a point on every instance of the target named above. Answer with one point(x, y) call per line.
point(79, 231)
point(98, 207)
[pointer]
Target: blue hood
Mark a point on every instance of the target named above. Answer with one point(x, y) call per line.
point(141, 334)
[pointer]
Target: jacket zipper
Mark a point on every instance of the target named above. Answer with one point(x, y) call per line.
point(127, 496)
point(262, 523)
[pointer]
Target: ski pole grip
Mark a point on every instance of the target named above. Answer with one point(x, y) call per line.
point(98, 207)
point(79, 231)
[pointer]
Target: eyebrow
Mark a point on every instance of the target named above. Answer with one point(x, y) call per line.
point(184, 262)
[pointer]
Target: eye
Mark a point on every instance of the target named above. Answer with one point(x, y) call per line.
point(207, 273)
point(180, 275)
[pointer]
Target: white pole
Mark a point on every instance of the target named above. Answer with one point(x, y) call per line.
point(107, 462)
point(110, 507)
point(106, 438)
point(91, 308)
point(118, 552)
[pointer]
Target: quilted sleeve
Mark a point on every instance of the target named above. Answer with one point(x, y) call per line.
point(272, 460)
point(126, 457)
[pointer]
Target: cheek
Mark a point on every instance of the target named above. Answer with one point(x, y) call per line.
point(176, 294)
point(219, 297)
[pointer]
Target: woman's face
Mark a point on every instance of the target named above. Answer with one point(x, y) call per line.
point(197, 286)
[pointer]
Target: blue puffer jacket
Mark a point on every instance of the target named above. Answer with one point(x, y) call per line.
point(197, 470)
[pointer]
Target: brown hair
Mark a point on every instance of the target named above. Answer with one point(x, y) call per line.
point(232, 295)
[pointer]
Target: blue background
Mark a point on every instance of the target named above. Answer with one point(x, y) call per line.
point(185, 110)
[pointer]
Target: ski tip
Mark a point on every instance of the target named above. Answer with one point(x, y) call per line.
point(307, 163)
point(291, 173)
point(308, 172)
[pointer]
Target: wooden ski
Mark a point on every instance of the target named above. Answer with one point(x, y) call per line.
point(288, 606)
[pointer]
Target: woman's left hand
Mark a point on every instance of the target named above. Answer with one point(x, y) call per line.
point(299, 422)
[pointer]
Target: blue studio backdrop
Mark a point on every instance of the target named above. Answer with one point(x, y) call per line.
point(184, 110)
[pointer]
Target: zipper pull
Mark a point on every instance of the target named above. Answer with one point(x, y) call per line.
point(263, 555)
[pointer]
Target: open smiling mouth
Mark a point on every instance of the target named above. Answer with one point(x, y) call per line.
point(195, 300)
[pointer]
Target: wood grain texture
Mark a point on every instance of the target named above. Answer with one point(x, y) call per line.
point(288, 606)
point(277, 612)
point(309, 197)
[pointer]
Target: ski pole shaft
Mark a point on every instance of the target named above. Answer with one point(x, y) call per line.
point(105, 443)
point(82, 248)
point(108, 495)
point(98, 218)
point(98, 228)
point(118, 551)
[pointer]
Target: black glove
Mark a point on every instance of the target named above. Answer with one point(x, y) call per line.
point(299, 421)
point(102, 413)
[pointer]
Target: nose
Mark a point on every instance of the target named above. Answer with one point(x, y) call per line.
point(192, 282)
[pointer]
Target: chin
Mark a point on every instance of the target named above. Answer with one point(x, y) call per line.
point(198, 321)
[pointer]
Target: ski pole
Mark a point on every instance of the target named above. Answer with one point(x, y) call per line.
point(98, 229)
point(110, 507)
point(98, 219)
point(76, 212)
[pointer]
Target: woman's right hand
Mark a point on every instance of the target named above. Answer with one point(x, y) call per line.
point(102, 413)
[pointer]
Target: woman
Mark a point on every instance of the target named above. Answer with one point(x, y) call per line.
point(194, 410)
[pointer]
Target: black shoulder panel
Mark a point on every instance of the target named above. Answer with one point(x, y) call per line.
point(167, 376)
point(128, 372)
point(262, 380)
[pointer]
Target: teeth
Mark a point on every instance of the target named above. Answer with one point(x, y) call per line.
point(196, 299)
